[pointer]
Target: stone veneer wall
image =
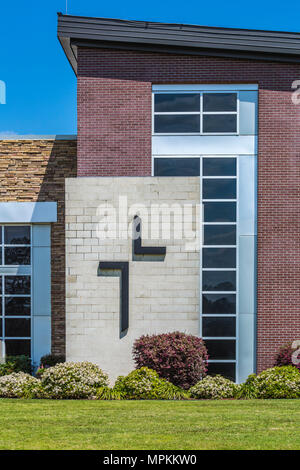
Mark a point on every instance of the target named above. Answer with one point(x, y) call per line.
point(35, 170)
point(163, 295)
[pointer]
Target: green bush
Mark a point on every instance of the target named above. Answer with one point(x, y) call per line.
point(20, 385)
point(16, 364)
point(277, 382)
point(145, 384)
point(73, 380)
point(107, 393)
point(214, 388)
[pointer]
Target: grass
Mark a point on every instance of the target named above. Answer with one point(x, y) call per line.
point(149, 425)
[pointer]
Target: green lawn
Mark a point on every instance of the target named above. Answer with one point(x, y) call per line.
point(149, 425)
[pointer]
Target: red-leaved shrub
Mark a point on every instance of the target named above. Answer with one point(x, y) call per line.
point(177, 357)
point(284, 356)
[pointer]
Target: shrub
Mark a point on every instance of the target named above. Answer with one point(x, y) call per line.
point(146, 384)
point(50, 360)
point(278, 382)
point(214, 388)
point(176, 357)
point(20, 385)
point(16, 364)
point(73, 380)
point(248, 388)
point(107, 393)
point(168, 391)
point(284, 356)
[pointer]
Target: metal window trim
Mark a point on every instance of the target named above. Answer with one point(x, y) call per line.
point(235, 293)
point(200, 113)
point(3, 274)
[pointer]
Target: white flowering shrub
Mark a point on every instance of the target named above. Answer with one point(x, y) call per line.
point(145, 384)
point(73, 380)
point(20, 385)
point(277, 382)
point(214, 388)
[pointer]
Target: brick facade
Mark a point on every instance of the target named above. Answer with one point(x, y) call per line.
point(35, 170)
point(114, 138)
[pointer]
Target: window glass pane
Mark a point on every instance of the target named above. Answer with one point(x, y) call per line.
point(17, 305)
point(17, 255)
point(17, 327)
point(219, 234)
point(17, 285)
point(1, 331)
point(218, 280)
point(219, 188)
point(220, 348)
point(219, 102)
point(177, 167)
point(219, 211)
point(0, 233)
point(177, 123)
point(176, 102)
point(216, 326)
point(219, 258)
point(17, 347)
point(219, 167)
point(0, 285)
point(226, 369)
point(17, 235)
point(215, 123)
point(218, 303)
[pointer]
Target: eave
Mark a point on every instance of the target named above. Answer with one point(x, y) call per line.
point(76, 31)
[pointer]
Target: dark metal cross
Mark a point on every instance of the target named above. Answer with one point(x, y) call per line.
point(121, 269)
point(140, 250)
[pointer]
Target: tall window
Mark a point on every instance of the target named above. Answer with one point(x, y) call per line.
point(219, 309)
point(195, 113)
point(218, 303)
point(15, 289)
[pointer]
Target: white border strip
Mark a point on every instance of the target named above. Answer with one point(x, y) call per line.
point(203, 87)
point(28, 212)
point(37, 137)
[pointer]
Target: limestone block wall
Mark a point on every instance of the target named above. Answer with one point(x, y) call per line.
point(163, 295)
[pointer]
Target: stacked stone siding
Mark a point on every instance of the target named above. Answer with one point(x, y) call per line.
point(35, 170)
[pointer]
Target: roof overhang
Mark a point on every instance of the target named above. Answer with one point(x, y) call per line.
point(78, 31)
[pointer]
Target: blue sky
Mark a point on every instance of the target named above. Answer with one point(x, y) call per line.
point(40, 84)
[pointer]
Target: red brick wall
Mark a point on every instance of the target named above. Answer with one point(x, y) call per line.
point(114, 138)
point(35, 170)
